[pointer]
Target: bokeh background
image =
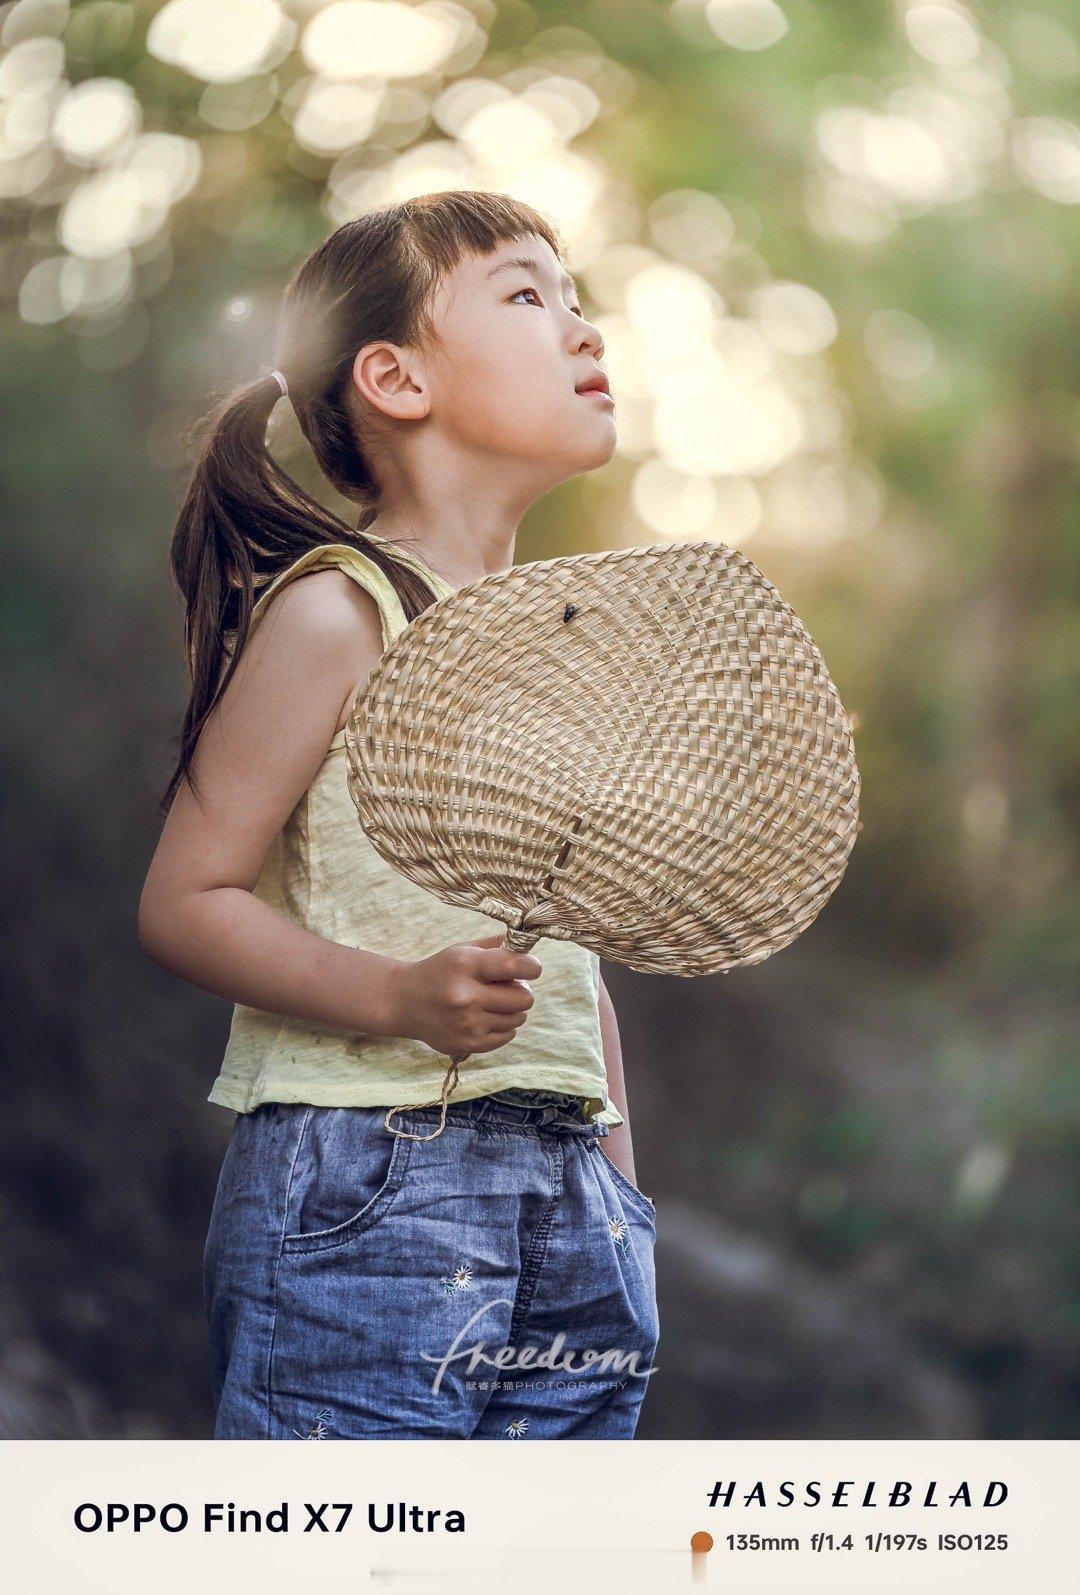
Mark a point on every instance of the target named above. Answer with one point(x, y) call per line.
point(831, 248)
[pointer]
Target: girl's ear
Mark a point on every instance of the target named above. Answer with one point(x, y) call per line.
point(391, 380)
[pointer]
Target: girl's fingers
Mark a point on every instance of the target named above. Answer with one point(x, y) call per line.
point(497, 1038)
point(511, 998)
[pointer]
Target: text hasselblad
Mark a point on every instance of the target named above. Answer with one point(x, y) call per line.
point(851, 1492)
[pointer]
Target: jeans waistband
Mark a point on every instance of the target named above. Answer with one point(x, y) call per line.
point(548, 1110)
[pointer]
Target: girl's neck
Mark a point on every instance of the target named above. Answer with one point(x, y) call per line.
point(459, 559)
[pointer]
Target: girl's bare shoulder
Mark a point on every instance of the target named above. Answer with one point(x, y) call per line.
point(322, 610)
point(320, 637)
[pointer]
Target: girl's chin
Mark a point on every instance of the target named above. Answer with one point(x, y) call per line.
point(590, 454)
point(601, 423)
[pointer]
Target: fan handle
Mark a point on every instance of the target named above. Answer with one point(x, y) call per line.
point(519, 941)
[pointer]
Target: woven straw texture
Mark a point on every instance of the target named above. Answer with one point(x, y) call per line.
point(640, 750)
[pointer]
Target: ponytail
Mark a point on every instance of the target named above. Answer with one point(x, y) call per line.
point(242, 520)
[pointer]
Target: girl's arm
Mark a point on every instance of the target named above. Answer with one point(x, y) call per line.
point(617, 1143)
point(256, 756)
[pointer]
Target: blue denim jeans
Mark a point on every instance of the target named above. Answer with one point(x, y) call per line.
point(495, 1282)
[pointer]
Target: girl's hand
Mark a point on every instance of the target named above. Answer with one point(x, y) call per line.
point(467, 998)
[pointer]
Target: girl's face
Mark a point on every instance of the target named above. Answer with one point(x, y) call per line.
point(512, 347)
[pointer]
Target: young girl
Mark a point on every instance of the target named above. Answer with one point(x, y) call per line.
point(475, 1267)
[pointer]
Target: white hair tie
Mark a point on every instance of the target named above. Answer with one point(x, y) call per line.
point(279, 378)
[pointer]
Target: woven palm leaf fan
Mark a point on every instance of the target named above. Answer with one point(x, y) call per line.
point(641, 751)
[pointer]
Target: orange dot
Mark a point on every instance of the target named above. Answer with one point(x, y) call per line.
point(701, 1541)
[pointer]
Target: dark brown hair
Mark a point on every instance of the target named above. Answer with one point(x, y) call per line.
point(243, 519)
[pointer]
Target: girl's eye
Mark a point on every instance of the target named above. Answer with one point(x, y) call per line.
point(577, 308)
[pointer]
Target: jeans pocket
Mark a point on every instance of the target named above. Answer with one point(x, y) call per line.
point(643, 1203)
point(347, 1171)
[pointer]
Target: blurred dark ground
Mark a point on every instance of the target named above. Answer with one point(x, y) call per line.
point(863, 1151)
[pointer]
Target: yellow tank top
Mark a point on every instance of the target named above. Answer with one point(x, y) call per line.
point(323, 873)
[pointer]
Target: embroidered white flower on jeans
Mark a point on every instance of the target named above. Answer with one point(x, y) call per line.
point(460, 1279)
point(515, 1430)
point(619, 1232)
point(318, 1429)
